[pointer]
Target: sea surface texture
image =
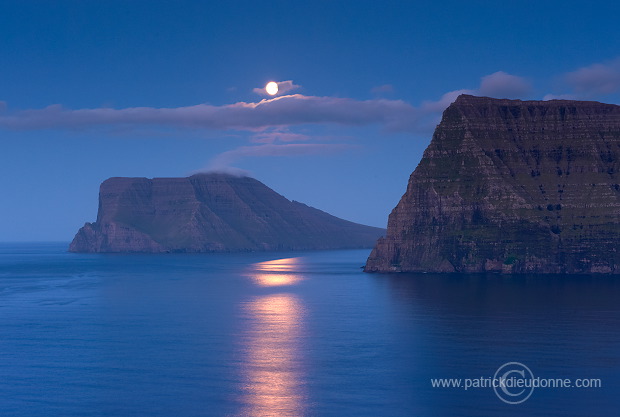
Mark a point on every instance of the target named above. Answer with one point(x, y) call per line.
point(291, 334)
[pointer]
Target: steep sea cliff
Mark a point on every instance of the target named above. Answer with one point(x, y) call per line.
point(511, 186)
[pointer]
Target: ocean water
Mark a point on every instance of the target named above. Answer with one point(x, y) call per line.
point(291, 334)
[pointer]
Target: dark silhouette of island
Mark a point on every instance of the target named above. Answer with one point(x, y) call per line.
point(210, 213)
point(511, 186)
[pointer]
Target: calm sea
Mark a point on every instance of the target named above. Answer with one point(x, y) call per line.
point(292, 334)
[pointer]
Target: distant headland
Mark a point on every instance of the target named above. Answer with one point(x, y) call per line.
point(210, 213)
point(511, 186)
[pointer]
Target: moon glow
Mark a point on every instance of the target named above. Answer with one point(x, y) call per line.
point(271, 88)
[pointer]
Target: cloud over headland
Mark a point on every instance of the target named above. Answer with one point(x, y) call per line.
point(225, 159)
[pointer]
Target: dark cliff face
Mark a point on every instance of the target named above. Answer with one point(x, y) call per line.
point(210, 213)
point(511, 186)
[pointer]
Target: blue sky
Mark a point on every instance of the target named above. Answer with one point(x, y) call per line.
point(94, 89)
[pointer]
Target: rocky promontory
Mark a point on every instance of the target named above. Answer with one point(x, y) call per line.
point(210, 213)
point(511, 186)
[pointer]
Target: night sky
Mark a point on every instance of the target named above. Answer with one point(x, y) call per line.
point(96, 89)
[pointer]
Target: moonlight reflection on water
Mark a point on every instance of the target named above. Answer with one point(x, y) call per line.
point(272, 355)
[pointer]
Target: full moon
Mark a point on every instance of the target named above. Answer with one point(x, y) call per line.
point(271, 88)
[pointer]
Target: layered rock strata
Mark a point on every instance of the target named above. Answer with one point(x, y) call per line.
point(511, 186)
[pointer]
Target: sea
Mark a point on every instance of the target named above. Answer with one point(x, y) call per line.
point(297, 334)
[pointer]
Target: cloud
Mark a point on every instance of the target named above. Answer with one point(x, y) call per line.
point(283, 88)
point(588, 83)
point(596, 79)
point(504, 85)
point(560, 97)
point(279, 135)
point(382, 89)
point(225, 159)
point(273, 113)
point(394, 115)
point(445, 100)
point(498, 85)
point(429, 113)
point(237, 172)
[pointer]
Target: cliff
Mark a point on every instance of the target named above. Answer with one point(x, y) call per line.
point(511, 186)
point(210, 213)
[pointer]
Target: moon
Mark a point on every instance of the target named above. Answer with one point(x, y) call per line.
point(271, 88)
